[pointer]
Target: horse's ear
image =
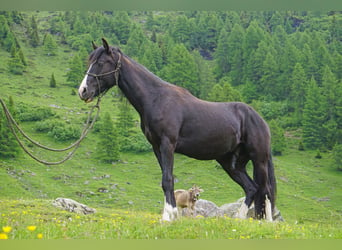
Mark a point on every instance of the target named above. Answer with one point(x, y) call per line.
point(105, 45)
point(94, 45)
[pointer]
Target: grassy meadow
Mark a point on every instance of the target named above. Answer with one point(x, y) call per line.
point(309, 189)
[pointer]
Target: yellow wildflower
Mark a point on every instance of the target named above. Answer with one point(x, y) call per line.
point(31, 228)
point(3, 236)
point(7, 229)
point(40, 236)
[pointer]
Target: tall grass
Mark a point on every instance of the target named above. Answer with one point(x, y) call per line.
point(37, 219)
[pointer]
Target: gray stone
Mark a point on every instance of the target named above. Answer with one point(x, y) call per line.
point(72, 206)
point(207, 208)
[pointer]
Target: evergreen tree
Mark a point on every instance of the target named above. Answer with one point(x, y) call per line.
point(209, 28)
point(122, 24)
point(298, 89)
point(53, 83)
point(224, 92)
point(136, 42)
point(313, 117)
point(9, 147)
point(337, 156)
point(182, 69)
point(269, 78)
point(50, 45)
point(277, 138)
point(34, 32)
point(205, 74)
point(332, 92)
point(125, 122)
point(181, 29)
point(15, 65)
point(235, 54)
point(222, 54)
point(254, 35)
point(307, 61)
point(76, 72)
point(125, 125)
point(291, 55)
point(107, 147)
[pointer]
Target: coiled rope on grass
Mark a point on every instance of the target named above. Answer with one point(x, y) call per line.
point(13, 125)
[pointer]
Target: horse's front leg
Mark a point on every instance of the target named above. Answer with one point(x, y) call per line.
point(165, 155)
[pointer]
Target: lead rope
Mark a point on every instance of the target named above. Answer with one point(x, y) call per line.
point(12, 124)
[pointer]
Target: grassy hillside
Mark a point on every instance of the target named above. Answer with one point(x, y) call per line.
point(309, 189)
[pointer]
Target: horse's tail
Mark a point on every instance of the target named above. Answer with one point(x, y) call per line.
point(266, 181)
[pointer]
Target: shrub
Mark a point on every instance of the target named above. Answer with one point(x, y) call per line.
point(136, 143)
point(337, 156)
point(58, 130)
point(29, 114)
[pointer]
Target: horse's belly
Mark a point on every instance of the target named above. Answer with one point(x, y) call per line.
point(206, 148)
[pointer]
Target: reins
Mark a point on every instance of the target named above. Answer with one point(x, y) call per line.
point(13, 125)
point(89, 124)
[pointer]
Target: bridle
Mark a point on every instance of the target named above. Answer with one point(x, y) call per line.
point(115, 72)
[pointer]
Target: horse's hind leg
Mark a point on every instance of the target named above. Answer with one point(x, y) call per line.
point(263, 207)
point(235, 166)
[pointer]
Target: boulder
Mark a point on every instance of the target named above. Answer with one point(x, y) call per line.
point(72, 206)
point(207, 208)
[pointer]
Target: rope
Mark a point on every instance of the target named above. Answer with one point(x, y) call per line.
point(12, 125)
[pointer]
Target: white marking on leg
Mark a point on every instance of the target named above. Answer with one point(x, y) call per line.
point(242, 212)
point(84, 82)
point(268, 210)
point(170, 213)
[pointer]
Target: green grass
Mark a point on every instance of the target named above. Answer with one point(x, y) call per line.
point(309, 189)
point(50, 223)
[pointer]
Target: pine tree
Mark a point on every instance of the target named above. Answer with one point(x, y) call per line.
point(205, 74)
point(269, 78)
point(125, 125)
point(332, 91)
point(108, 147)
point(122, 24)
point(291, 55)
point(298, 89)
point(224, 92)
point(34, 32)
point(180, 31)
point(222, 54)
point(53, 83)
point(9, 147)
point(50, 45)
point(254, 35)
point(337, 156)
point(135, 42)
point(15, 65)
point(277, 138)
point(76, 72)
point(313, 117)
point(235, 54)
point(125, 122)
point(182, 69)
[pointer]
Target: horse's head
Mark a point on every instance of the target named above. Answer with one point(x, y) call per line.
point(104, 65)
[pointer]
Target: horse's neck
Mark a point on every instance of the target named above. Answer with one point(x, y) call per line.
point(137, 84)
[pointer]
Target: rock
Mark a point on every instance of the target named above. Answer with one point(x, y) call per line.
point(209, 209)
point(72, 206)
point(206, 208)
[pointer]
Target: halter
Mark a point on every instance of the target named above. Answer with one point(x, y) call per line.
point(115, 72)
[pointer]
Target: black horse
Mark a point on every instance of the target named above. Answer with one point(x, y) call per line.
point(174, 121)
